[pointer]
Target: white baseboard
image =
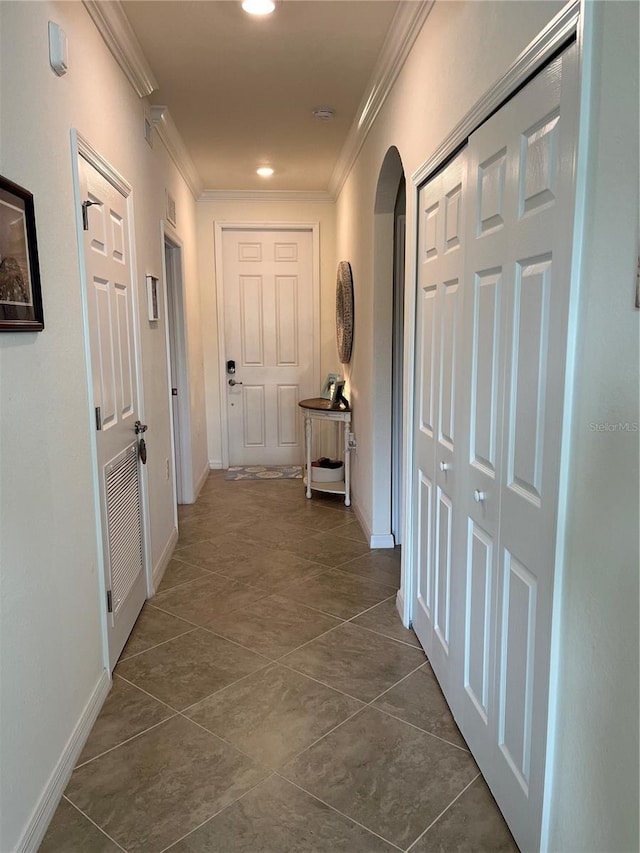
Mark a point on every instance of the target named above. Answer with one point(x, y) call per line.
point(54, 789)
point(215, 464)
point(202, 479)
point(400, 606)
point(382, 540)
point(163, 562)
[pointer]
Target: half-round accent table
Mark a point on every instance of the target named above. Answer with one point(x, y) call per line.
point(320, 409)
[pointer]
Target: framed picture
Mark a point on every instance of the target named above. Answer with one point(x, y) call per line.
point(338, 390)
point(328, 389)
point(153, 305)
point(20, 294)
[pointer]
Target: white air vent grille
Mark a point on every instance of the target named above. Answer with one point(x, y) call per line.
point(122, 489)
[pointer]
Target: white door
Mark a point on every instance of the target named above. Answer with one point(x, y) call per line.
point(111, 321)
point(438, 306)
point(518, 252)
point(269, 336)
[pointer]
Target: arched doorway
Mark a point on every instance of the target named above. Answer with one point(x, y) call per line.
point(388, 336)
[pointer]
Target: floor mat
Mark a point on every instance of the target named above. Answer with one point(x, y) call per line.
point(264, 472)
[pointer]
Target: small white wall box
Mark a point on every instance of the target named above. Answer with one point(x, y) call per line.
point(153, 303)
point(58, 56)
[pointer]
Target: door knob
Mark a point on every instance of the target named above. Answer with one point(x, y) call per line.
point(140, 427)
point(233, 382)
point(445, 466)
point(479, 496)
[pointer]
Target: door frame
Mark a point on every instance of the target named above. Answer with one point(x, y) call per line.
point(173, 290)
point(219, 228)
point(80, 147)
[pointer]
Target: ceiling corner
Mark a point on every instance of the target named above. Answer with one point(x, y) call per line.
point(114, 27)
point(404, 30)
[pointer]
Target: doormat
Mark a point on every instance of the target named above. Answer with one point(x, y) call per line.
point(264, 472)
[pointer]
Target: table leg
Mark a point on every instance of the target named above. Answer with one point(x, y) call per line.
point(347, 465)
point(307, 444)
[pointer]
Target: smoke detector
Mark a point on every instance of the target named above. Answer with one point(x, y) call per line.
point(324, 113)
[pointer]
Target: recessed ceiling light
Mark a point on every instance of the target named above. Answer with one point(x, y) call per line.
point(324, 113)
point(259, 7)
point(265, 171)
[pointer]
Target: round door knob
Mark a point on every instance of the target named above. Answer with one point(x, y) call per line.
point(445, 466)
point(479, 496)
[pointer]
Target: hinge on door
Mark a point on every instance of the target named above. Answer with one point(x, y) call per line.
point(109, 602)
point(98, 418)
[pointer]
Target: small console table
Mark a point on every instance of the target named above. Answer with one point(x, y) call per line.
point(320, 409)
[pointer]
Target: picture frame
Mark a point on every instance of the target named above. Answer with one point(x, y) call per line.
point(338, 390)
point(328, 389)
point(153, 302)
point(20, 290)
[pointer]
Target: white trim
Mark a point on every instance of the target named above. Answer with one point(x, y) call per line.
point(219, 228)
point(553, 36)
point(170, 238)
point(215, 464)
point(114, 27)
point(404, 30)
point(530, 60)
point(80, 147)
point(582, 170)
point(177, 150)
point(292, 196)
point(381, 540)
point(400, 607)
point(202, 479)
point(165, 557)
point(52, 794)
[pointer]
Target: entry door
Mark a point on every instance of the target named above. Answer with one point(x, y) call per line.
point(439, 305)
point(111, 321)
point(269, 330)
point(518, 252)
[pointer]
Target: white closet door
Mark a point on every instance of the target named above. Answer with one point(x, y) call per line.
point(438, 319)
point(518, 251)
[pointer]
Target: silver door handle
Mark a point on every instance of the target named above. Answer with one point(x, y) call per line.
point(479, 496)
point(445, 466)
point(139, 427)
point(233, 382)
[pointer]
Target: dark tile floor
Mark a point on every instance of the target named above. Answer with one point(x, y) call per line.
point(269, 700)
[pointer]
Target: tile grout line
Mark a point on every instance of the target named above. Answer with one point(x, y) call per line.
point(128, 739)
point(333, 808)
point(269, 770)
point(380, 634)
point(157, 645)
point(99, 828)
point(424, 731)
point(220, 810)
point(433, 822)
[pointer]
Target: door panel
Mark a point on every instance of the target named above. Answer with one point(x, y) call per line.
point(268, 317)
point(437, 323)
point(518, 251)
point(111, 321)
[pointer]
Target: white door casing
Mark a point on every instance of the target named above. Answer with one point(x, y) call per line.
point(111, 318)
point(268, 319)
point(438, 306)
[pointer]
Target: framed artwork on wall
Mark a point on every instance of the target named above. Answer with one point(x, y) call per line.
point(20, 293)
point(153, 304)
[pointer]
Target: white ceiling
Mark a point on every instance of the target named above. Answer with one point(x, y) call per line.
point(241, 89)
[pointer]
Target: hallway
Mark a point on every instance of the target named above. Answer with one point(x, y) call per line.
point(269, 699)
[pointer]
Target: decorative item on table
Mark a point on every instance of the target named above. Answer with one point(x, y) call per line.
point(338, 399)
point(325, 470)
point(20, 296)
point(329, 387)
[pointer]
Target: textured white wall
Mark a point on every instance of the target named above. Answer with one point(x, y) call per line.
point(210, 212)
point(50, 637)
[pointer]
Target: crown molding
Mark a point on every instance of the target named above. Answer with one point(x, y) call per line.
point(173, 142)
point(561, 28)
point(405, 27)
point(114, 27)
point(291, 196)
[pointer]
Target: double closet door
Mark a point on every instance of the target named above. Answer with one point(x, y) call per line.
point(495, 245)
